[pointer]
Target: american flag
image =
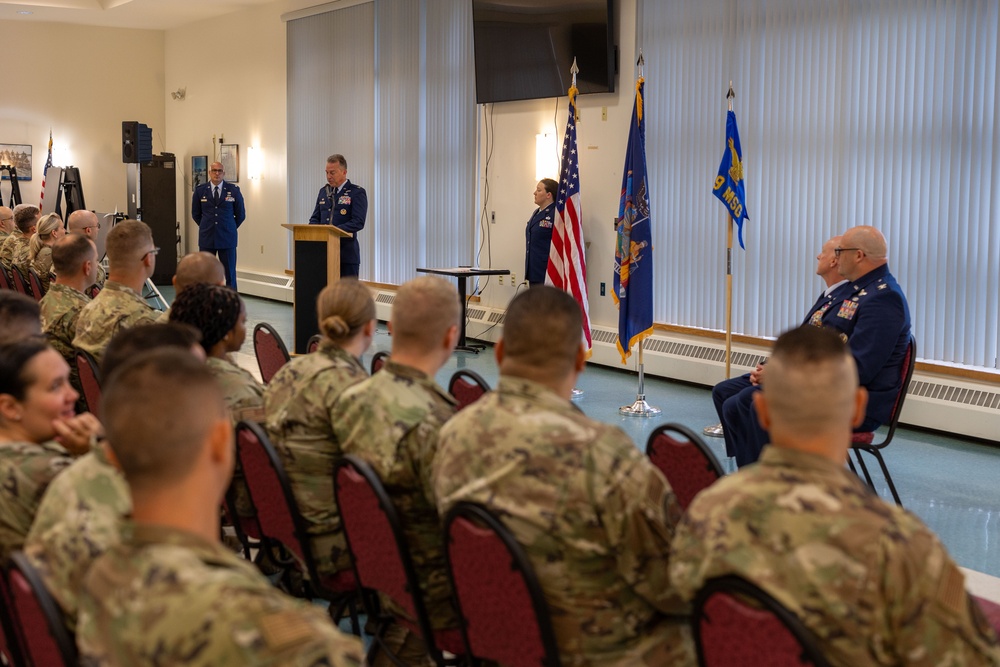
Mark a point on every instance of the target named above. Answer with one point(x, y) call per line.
point(48, 163)
point(567, 268)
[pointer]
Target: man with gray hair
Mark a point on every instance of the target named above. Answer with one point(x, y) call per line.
point(345, 205)
point(873, 584)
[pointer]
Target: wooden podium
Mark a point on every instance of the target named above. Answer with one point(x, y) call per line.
point(316, 262)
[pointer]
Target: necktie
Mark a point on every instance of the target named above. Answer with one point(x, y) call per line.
point(216, 194)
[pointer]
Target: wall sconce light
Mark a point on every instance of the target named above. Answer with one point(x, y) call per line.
point(179, 94)
point(255, 163)
point(546, 157)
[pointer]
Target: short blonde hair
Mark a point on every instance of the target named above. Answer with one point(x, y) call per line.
point(423, 311)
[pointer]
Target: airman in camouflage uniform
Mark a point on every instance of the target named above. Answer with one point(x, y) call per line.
point(61, 308)
point(170, 593)
point(869, 579)
point(79, 518)
point(42, 264)
point(873, 584)
point(592, 513)
point(392, 421)
point(26, 470)
point(594, 516)
point(298, 403)
point(11, 248)
point(115, 308)
point(167, 597)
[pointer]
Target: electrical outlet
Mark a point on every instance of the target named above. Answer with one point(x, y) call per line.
point(500, 278)
point(493, 217)
point(602, 289)
point(513, 280)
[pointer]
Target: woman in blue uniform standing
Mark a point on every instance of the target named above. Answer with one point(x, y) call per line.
point(538, 233)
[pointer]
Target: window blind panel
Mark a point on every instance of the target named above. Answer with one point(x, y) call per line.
point(331, 89)
point(850, 113)
point(398, 129)
point(450, 146)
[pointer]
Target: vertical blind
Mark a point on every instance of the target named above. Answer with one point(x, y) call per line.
point(393, 81)
point(880, 112)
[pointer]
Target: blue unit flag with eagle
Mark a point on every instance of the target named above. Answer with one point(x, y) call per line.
point(729, 185)
point(633, 279)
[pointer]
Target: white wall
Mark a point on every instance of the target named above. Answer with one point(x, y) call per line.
point(602, 155)
point(82, 82)
point(233, 69)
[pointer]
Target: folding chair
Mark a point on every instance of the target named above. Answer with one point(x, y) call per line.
point(736, 623)
point(269, 349)
point(382, 560)
point(502, 606)
point(45, 641)
point(19, 285)
point(280, 521)
point(10, 647)
point(35, 281)
point(684, 459)
point(991, 610)
point(313, 343)
point(467, 387)
point(378, 361)
point(90, 380)
point(863, 442)
point(5, 280)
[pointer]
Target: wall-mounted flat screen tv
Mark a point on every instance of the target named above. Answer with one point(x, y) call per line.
point(525, 48)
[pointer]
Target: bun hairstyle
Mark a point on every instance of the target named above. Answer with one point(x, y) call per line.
point(343, 308)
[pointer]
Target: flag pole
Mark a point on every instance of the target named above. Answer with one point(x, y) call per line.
point(640, 408)
point(716, 430)
point(576, 392)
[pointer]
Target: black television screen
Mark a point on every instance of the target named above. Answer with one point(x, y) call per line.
point(525, 48)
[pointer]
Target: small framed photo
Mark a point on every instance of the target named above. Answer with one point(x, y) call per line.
point(199, 170)
point(17, 156)
point(229, 156)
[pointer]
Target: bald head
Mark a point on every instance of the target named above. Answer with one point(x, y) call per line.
point(198, 267)
point(864, 249)
point(422, 312)
point(84, 222)
point(6, 219)
point(811, 396)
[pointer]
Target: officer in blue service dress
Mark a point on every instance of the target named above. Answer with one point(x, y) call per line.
point(870, 313)
point(217, 207)
point(345, 205)
point(538, 233)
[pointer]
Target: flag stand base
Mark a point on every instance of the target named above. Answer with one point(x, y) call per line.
point(714, 431)
point(639, 409)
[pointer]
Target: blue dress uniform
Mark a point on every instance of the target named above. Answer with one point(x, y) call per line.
point(872, 315)
point(217, 223)
point(537, 239)
point(346, 209)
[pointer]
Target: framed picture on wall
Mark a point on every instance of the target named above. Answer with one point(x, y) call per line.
point(199, 170)
point(19, 157)
point(229, 156)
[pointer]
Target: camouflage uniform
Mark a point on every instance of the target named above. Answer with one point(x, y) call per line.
point(61, 308)
point(168, 597)
point(26, 469)
point(594, 516)
point(392, 421)
point(11, 248)
point(42, 265)
point(868, 578)
point(22, 258)
point(244, 396)
point(3, 236)
point(298, 403)
point(78, 519)
point(117, 307)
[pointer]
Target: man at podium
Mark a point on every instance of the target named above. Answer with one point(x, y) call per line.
point(345, 205)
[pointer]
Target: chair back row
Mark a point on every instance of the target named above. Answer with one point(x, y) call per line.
point(34, 633)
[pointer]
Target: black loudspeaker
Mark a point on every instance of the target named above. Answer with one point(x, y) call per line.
point(158, 209)
point(137, 142)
